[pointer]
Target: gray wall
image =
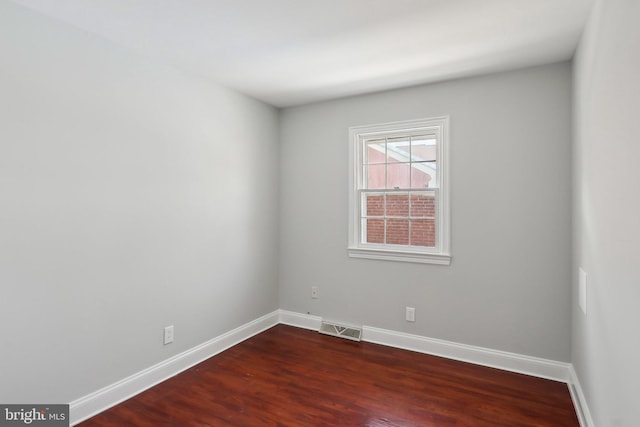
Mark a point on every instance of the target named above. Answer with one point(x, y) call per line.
point(132, 197)
point(508, 286)
point(606, 342)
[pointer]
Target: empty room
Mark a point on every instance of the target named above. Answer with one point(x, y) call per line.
point(329, 213)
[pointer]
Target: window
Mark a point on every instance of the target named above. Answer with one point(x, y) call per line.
point(398, 192)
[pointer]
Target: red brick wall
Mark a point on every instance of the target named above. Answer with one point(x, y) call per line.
point(417, 231)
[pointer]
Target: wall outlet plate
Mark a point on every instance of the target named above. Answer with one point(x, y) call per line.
point(410, 314)
point(168, 334)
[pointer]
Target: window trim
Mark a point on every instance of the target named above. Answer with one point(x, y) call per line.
point(356, 249)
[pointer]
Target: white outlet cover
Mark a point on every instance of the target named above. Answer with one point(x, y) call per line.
point(582, 290)
point(168, 334)
point(411, 314)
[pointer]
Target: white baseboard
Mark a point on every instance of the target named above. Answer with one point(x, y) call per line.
point(120, 391)
point(538, 367)
point(579, 400)
point(300, 320)
point(513, 362)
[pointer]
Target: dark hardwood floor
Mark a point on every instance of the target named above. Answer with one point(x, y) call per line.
point(287, 376)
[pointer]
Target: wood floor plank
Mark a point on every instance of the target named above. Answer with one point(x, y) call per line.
point(287, 376)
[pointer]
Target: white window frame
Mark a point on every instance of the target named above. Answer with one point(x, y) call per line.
point(440, 254)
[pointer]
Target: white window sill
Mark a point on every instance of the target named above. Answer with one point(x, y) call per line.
point(419, 257)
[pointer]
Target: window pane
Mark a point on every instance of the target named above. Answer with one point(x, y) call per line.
point(375, 230)
point(397, 232)
point(373, 205)
point(398, 149)
point(374, 151)
point(423, 232)
point(423, 205)
point(374, 176)
point(423, 148)
point(398, 205)
point(398, 175)
point(423, 175)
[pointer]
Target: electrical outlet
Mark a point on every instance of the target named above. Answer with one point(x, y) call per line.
point(410, 314)
point(314, 292)
point(168, 334)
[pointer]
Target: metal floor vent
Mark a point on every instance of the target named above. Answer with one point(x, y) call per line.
point(342, 331)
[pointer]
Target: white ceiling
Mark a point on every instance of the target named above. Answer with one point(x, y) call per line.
point(289, 52)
